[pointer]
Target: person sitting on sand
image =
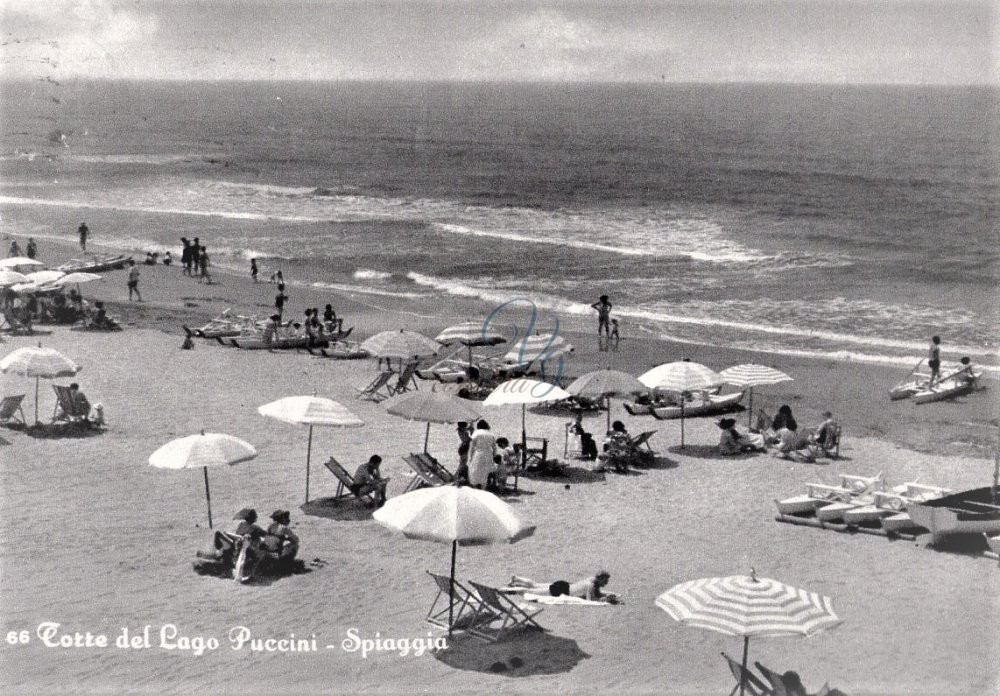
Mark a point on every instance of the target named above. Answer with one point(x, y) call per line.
point(826, 429)
point(167, 258)
point(271, 330)
point(369, 477)
point(588, 588)
point(243, 525)
point(784, 419)
point(280, 540)
point(732, 441)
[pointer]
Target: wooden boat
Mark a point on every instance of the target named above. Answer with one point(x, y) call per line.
point(894, 504)
point(713, 405)
point(342, 350)
point(227, 325)
point(95, 265)
point(971, 511)
point(947, 388)
point(820, 495)
point(906, 389)
point(278, 343)
point(635, 409)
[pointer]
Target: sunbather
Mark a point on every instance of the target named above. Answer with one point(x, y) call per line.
point(791, 444)
point(588, 588)
point(280, 540)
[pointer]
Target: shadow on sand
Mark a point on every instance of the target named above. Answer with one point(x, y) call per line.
point(522, 654)
point(59, 431)
point(342, 509)
point(567, 474)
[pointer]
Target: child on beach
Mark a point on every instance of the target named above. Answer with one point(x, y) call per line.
point(203, 264)
point(603, 307)
point(279, 300)
point(253, 269)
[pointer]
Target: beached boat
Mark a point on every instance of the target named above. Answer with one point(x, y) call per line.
point(906, 389)
point(819, 495)
point(95, 265)
point(343, 350)
point(713, 405)
point(894, 504)
point(971, 511)
point(278, 343)
point(635, 409)
point(947, 389)
point(227, 325)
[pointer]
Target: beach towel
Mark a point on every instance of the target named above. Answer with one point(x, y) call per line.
point(563, 599)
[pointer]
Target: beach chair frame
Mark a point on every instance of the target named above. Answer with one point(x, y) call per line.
point(64, 409)
point(9, 407)
point(755, 686)
point(436, 468)
point(11, 323)
point(422, 478)
point(510, 614)
point(407, 380)
point(534, 455)
point(462, 604)
point(373, 391)
point(346, 482)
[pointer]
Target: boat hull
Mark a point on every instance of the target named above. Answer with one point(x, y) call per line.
point(966, 512)
point(945, 390)
point(716, 405)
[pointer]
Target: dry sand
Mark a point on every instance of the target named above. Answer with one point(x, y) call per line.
point(96, 540)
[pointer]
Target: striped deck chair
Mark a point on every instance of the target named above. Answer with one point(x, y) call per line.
point(9, 407)
point(509, 613)
point(347, 488)
point(65, 409)
point(422, 477)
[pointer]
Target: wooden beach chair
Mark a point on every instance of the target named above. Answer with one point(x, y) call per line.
point(436, 468)
point(458, 602)
point(9, 407)
point(374, 391)
point(422, 477)
point(536, 452)
point(755, 686)
point(346, 482)
point(509, 613)
point(407, 380)
point(65, 409)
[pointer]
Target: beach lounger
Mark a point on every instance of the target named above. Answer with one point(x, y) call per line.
point(637, 409)
point(407, 380)
point(754, 685)
point(509, 613)
point(65, 409)
point(457, 603)
point(9, 322)
point(9, 407)
point(422, 476)
point(346, 483)
point(374, 391)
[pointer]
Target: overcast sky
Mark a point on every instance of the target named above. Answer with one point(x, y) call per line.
point(837, 41)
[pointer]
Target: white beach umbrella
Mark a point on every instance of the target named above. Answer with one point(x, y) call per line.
point(77, 277)
point(203, 450)
point(43, 277)
point(401, 344)
point(39, 363)
point(431, 407)
point(26, 287)
point(453, 515)
point(9, 277)
point(601, 384)
point(524, 391)
point(751, 375)
point(745, 605)
point(681, 376)
point(18, 261)
point(311, 411)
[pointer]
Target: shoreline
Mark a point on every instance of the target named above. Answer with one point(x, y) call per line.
point(854, 391)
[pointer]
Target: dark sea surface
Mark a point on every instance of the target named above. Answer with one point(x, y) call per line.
point(847, 222)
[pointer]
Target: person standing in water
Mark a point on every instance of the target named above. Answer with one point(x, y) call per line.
point(253, 269)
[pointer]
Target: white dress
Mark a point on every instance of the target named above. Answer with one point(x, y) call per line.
point(481, 453)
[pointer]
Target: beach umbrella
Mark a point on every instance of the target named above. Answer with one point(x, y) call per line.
point(26, 287)
point(203, 450)
point(17, 261)
point(469, 334)
point(751, 375)
point(402, 344)
point(524, 391)
point(9, 277)
point(453, 515)
point(681, 376)
point(431, 407)
point(532, 348)
point(605, 384)
point(77, 277)
point(311, 411)
point(745, 605)
point(40, 363)
point(43, 277)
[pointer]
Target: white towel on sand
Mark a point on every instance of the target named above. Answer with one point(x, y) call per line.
point(562, 599)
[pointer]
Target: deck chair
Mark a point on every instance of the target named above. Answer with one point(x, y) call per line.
point(830, 444)
point(463, 606)
point(65, 409)
point(345, 482)
point(437, 470)
point(509, 613)
point(374, 391)
point(407, 380)
point(10, 322)
point(576, 450)
point(9, 407)
point(778, 684)
point(641, 450)
point(422, 476)
point(754, 685)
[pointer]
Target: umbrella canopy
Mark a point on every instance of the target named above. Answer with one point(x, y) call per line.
point(77, 277)
point(455, 515)
point(17, 261)
point(524, 391)
point(203, 450)
point(311, 411)
point(751, 375)
point(400, 344)
point(471, 333)
point(38, 362)
point(605, 384)
point(745, 605)
point(681, 376)
point(9, 277)
point(26, 287)
point(531, 348)
point(42, 277)
point(431, 407)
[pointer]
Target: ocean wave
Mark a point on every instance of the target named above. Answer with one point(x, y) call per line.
point(369, 274)
point(138, 158)
point(367, 290)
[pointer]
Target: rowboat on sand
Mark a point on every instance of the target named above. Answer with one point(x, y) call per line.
point(708, 405)
point(95, 264)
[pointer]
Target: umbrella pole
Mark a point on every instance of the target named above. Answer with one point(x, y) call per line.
point(683, 398)
point(743, 674)
point(451, 589)
point(208, 496)
point(609, 412)
point(36, 401)
point(524, 440)
point(427, 435)
point(750, 409)
point(308, 458)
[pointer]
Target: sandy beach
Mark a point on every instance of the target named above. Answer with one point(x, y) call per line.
point(98, 541)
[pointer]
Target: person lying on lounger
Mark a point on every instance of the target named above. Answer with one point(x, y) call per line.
point(588, 588)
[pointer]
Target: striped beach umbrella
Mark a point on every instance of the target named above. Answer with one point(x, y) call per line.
point(751, 375)
point(745, 605)
point(39, 363)
point(470, 333)
point(681, 376)
point(202, 451)
point(310, 410)
point(605, 384)
point(401, 344)
point(453, 515)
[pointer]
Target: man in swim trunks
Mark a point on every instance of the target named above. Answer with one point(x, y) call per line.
point(934, 359)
